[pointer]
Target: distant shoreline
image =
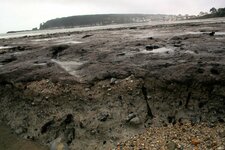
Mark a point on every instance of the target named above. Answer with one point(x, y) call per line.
point(17, 31)
point(18, 34)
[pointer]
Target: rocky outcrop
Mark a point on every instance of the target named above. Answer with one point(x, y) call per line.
point(110, 87)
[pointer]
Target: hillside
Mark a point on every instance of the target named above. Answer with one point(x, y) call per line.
point(214, 13)
point(105, 19)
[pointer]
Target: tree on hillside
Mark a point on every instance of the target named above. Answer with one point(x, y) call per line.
point(213, 10)
point(221, 12)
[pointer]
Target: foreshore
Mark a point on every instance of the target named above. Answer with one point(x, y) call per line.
point(99, 89)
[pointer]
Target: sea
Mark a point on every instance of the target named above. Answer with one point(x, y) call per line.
point(114, 26)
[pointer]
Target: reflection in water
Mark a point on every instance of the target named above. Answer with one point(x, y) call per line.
point(9, 141)
point(5, 47)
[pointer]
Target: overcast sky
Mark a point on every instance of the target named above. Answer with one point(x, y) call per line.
point(27, 14)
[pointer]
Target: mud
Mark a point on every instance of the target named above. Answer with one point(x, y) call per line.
point(109, 86)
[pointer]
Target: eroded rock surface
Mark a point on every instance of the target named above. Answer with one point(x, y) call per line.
point(100, 90)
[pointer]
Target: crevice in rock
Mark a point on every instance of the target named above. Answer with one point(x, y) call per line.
point(202, 104)
point(171, 119)
point(149, 111)
point(46, 126)
point(188, 99)
point(69, 119)
point(86, 36)
point(56, 50)
point(214, 71)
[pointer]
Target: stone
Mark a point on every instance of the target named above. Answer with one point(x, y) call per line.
point(59, 144)
point(103, 117)
point(213, 119)
point(113, 80)
point(20, 130)
point(171, 145)
point(195, 142)
point(130, 116)
point(195, 120)
point(28, 137)
point(211, 125)
point(149, 97)
point(135, 121)
point(87, 89)
point(221, 148)
point(116, 82)
point(222, 134)
point(93, 131)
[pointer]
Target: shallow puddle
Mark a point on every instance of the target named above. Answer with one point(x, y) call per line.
point(9, 141)
point(198, 32)
point(162, 50)
point(44, 39)
point(221, 38)
point(5, 47)
point(40, 64)
point(56, 41)
point(70, 42)
point(189, 52)
point(216, 33)
point(220, 33)
point(70, 66)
